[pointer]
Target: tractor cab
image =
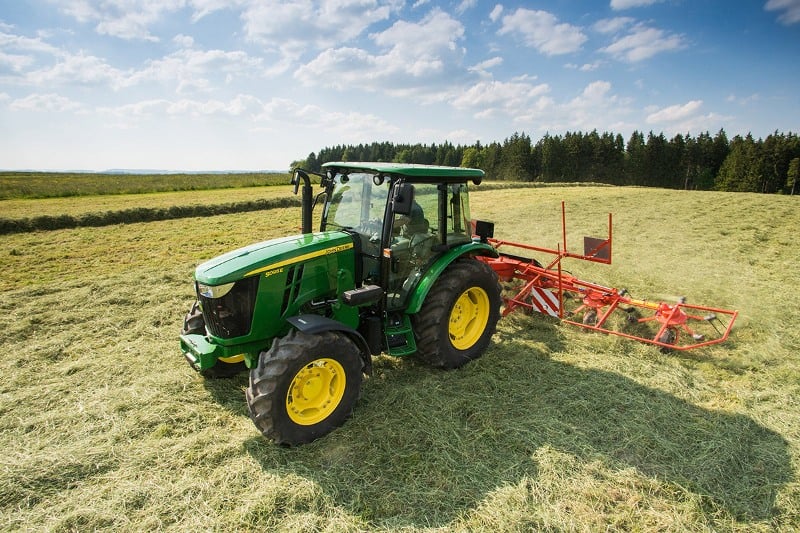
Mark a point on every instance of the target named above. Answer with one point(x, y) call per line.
point(402, 217)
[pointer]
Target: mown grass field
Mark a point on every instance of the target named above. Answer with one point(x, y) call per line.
point(69, 184)
point(22, 208)
point(104, 426)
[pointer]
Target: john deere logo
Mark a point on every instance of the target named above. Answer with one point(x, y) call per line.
point(336, 249)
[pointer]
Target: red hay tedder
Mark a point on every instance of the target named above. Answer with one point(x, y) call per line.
point(547, 289)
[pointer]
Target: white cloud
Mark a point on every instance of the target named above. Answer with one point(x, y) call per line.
point(743, 100)
point(348, 126)
point(121, 18)
point(483, 67)
point(136, 110)
point(496, 12)
point(612, 25)
point(643, 42)
point(184, 41)
point(682, 118)
point(20, 43)
point(436, 34)
point(270, 115)
point(790, 10)
point(543, 31)
point(79, 69)
point(37, 63)
point(596, 107)
point(674, 112)
point(293, 26)
point(15, 62)
point(414, 53)
point(465, 5)
point(132, 19)
point(193, 69)
point(203, 8)
point(627, 4)
point(586, 67)
point(513, 99)
point(340, 68)
point(45, 102)
point(238, 106)
point(593, 94)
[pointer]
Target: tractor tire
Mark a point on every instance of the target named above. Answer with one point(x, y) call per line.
point(459, 315)
point(194, 324)
point(304, 386)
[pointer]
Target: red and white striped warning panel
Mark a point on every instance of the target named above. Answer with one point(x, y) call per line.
point(544, 301)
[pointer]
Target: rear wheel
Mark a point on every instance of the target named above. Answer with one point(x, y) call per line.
point(194, 324)
point(304, 386)
point(459, 316)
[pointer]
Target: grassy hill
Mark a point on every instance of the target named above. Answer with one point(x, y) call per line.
point(104, 425)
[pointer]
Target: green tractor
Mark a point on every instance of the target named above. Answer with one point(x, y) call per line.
point(392, 270)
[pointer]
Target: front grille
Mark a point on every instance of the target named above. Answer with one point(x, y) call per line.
point(231, 315)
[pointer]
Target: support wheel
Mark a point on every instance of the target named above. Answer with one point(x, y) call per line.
point(459, 316)
point(194, 324)
point(304, 386)
point(668, 337)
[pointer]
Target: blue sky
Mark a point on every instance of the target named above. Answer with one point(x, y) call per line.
point(247, 85)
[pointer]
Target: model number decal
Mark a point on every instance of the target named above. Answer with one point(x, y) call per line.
point(273, 272)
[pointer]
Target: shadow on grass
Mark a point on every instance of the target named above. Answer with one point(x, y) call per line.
point(424, 447)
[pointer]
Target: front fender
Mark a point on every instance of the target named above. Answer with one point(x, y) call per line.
point(313, 324)
point(429, 278)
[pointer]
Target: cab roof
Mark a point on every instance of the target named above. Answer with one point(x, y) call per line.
point(428, 173)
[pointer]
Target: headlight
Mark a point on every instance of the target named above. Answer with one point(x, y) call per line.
point(214, 291)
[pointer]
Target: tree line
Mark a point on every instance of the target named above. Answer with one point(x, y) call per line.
point(702, 162)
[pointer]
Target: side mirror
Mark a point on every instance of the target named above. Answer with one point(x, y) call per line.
point(298, 174)
point(403, 199)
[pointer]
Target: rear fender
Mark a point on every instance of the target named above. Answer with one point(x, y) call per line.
point(429, 278)
point(314, 324)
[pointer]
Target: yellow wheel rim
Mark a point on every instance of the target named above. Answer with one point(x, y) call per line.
point(315, 392)
point(468, 318)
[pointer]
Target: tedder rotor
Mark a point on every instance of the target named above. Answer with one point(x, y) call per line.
point(549, 290)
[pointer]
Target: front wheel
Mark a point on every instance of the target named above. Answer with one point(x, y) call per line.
point(304, 386)
point(459, 316)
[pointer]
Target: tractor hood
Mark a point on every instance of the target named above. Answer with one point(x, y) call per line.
point(267, 256)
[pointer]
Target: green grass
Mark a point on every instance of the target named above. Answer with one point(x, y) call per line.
point(14, 185)
point(104, 426)
point(24, 215)
point(79, 206)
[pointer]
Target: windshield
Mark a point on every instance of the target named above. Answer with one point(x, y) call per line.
point(357, 203)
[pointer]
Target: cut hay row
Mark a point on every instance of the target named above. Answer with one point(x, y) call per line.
point(138, 214)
